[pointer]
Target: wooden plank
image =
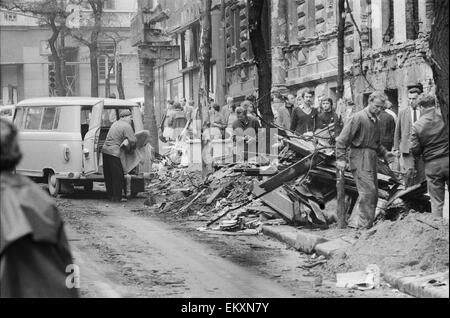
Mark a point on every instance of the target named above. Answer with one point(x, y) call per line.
point(291, 172)
point(216, 193)
point(277, 200)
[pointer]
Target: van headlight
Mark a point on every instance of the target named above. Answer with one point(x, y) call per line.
point(66, 153)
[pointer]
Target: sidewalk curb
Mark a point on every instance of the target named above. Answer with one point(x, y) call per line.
point(413, 285)
point(299, 240)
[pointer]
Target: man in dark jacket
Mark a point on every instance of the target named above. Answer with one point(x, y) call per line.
point(362, 134)
point(304, 117)
point(429, 139)
point(35, 259)
point(120, 135)
point(387, 129)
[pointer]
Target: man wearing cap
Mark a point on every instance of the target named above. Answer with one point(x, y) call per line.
point(119, 135)
point(429, 139)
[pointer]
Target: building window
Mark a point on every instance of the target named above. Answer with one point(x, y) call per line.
point(175, 88)
point(10, 16)
point(106, 61)
point(110, 4)
point(235, 36)
point(389, 34)
point(293, 22)
point(412, 19)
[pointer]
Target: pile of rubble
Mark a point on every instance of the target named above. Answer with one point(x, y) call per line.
point(297, 188)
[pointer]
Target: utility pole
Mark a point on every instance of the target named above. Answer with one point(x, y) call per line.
point(152, 45)
point(340, 180)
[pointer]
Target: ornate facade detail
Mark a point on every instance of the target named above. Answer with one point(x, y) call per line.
point(322, 51)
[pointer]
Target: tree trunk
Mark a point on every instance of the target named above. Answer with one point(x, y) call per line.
point(259, 37)
point(149, 112)
point(97, 8)
point(59, 89)
point(108, 80)
point(439, 54)
point(57, 66)
point(120, 89)
point(62, 70)
point(340, 180)
point(93, 52)
point(340, 39)
point(205, 64)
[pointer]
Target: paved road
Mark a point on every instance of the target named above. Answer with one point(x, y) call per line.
point(122, 252)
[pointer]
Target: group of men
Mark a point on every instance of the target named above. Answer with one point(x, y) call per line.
point(419, 135)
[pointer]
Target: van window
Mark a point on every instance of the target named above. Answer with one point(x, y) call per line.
point(56, 121)
point(18, 117)
point(109, 116)
point(33, 118)
point(49, 118)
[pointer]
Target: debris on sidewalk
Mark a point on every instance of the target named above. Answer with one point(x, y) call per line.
point(362, 280)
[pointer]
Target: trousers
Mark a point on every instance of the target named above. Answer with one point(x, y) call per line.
point(114, 177)
point(413, 169)
point(363, 164)
point(436, 172)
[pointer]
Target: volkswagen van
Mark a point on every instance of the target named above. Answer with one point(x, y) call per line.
point(61, 139)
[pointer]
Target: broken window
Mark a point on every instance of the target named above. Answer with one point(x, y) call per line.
point(412, 19)
point(389, 34)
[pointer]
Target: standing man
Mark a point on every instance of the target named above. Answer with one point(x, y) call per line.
point(285, 112)
point(217, 122)
point(188, 109)
point(165, 131)
point(119, 135)
point(387, 129)
point(429, 139)
point(304, 118)
point(405, 121)
point(35, 257)
point(227, 109)
point(245, 129)
point(177, 120)
point(327, 115)
point(362, 134)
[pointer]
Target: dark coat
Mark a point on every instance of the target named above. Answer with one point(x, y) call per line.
point(34, 251)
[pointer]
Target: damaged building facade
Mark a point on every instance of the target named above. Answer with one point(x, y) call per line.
point(392, 36)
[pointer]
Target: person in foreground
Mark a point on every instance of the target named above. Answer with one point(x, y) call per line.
point(429, 139)
point(35, 258)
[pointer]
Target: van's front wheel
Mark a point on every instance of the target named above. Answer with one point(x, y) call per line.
point(54, 184)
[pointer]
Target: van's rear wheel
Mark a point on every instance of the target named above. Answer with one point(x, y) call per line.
point(88, 187)
point(54, 184)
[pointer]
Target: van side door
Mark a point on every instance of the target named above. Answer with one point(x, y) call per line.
point(90, 155)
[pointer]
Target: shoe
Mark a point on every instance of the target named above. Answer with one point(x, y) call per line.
point(123, 200)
